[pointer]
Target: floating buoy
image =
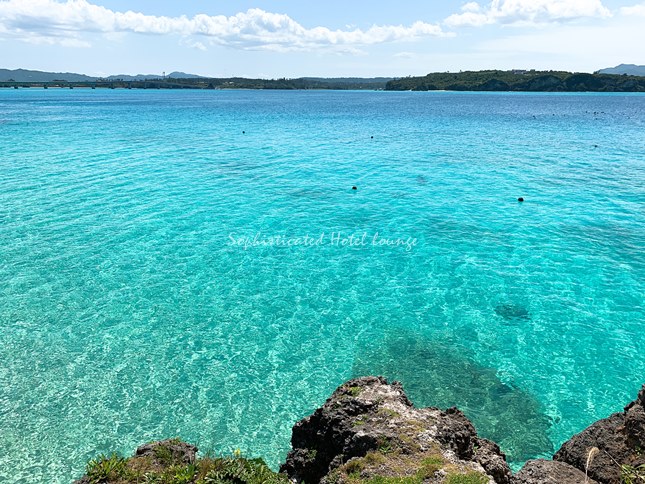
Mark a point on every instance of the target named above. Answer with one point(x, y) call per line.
point(354, 188)
point(371, 137)
point(521, 199)
point(243, 132)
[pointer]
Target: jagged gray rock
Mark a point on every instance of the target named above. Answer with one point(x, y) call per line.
point(620, 439)
point(550, 472)
point(369, 428)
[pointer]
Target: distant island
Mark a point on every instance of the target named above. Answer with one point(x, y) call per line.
point(22, 78)
point(619, 80)
point(517, 80)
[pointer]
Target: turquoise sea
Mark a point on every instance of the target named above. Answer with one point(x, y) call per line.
point(156, 278)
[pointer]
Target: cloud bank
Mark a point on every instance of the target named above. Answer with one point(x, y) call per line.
point(525, 12)
point(634, 11)
point(64, 22)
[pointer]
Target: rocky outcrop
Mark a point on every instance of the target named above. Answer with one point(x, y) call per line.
point(369, 429)
point(544, 83)
point(550, 472)
point(620, 440)
point(494, 85)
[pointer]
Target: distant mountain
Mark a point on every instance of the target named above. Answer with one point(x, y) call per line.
point(629, 69)
point(183, 75)
point(151, 77)
point(23, 75)
point(137, 77)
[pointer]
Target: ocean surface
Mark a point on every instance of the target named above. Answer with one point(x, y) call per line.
point(197, 264)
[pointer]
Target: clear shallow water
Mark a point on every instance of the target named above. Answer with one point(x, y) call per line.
point(128, 314)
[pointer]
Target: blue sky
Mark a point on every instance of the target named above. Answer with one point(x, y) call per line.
point(276, 38)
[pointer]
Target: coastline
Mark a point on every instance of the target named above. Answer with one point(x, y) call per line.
point(468, 81)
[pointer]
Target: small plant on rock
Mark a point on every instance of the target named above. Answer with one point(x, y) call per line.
point(470, 478)
point(632, 475)
point(105, 468)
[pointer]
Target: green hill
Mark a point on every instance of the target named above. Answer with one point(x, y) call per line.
point(532, 81)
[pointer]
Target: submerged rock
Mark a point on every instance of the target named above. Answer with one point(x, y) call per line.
point(513, 312)
point(369, 429)
point(620, 440)
point(438, 373)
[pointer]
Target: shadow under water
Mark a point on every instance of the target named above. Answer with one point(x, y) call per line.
point(439, 373)
point(512, 312)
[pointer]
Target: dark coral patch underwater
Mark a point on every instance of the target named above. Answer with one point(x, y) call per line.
point(440, 373)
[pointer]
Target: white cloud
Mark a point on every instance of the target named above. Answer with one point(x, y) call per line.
point(54, 21)
point(405, 55)
point(470, 19)
point(526, 12)
point(189, 42)
point(471, 7)
point(634, 11)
